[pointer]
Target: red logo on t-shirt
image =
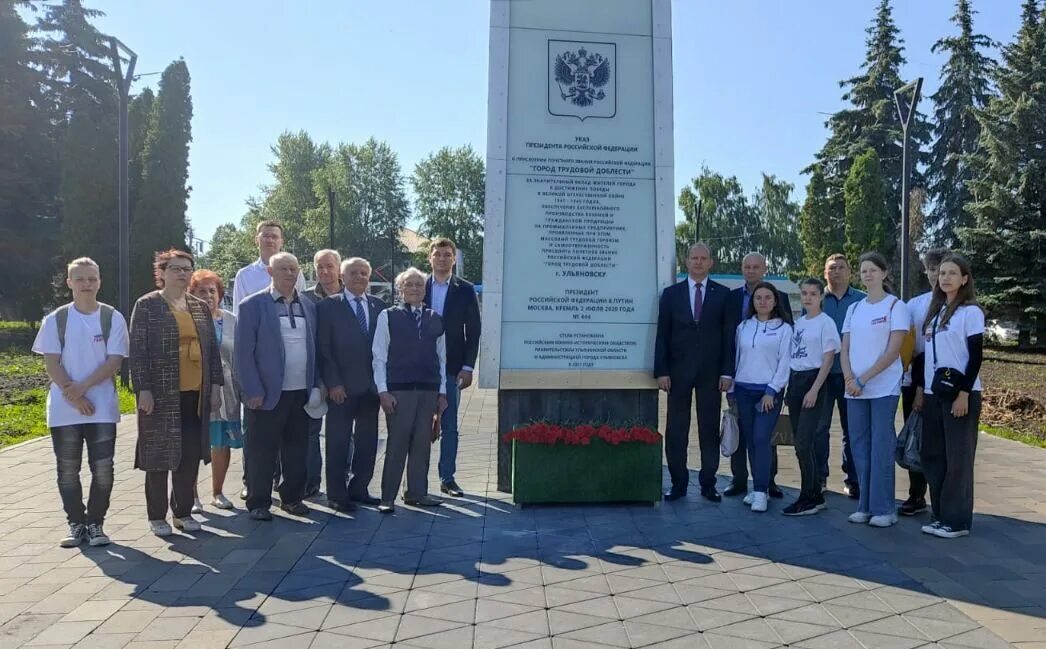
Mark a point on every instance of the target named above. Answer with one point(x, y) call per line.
point(879, 320)
point(99, 338)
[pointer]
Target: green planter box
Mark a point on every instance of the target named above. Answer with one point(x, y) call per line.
point(597, 473)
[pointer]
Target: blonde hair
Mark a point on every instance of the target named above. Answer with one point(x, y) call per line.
point(81, 262)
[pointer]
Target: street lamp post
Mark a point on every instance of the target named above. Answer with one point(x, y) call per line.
point(123, 85)
point(906, 98)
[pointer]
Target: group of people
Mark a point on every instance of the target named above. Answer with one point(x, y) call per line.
point(286, 359)
point(859, 351)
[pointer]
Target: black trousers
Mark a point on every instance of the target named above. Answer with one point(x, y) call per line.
point(347, 426)
point(68, 443)
point(805, 425)
point(365, 438)
point(182, 479)
point(278, 436)
point(948, 452)
point(916, 480)
point(677, 430)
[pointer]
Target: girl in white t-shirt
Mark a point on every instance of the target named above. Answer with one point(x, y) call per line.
point(763, 350)
point(954, 335)
point(873, 332)
point(815, 342)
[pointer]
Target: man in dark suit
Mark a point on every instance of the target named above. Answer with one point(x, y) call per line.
point(753, 269)
point(455, 301)
point(346, 322)
point(694, 353)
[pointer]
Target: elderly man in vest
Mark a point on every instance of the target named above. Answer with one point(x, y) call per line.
point(410, 358)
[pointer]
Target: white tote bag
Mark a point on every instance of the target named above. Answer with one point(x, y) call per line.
point(729, 433)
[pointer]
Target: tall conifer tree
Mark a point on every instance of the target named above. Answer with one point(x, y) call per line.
point(965, 87)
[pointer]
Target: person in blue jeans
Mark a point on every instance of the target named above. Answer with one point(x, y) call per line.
point(837, 299)
point(764, 342)
point(873, 332)
point(454, 300)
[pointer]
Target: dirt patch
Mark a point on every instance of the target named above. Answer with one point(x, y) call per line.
point(1015, 391)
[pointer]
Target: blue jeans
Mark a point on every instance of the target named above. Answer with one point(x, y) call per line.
point(835, 396)
point(873, 439)
point(448, 441)
point(314, 460)
point(756, 429)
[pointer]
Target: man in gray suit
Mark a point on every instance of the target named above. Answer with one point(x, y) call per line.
point(346, 324)
point(275, 364)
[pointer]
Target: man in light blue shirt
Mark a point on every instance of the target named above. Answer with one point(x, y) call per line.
point(837, 299)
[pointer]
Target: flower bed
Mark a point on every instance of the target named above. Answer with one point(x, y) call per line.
point(576, 464)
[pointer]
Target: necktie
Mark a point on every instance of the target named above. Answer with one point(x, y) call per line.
point(361, 317)
point(697, 303)
point(417, 317)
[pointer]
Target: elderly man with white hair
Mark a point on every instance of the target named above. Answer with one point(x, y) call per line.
point(275, 365)
point(410, 358)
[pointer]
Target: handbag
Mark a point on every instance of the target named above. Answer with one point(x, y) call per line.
point(782, 435)
point(909, 444)
point(729, 432)
point(947, 381)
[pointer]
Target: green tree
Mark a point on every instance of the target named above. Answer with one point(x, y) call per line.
point(139, 120)
point(231, 249)
point(370, 203)
point(28, 178)
point(778, 217)
point(965, 88)
point(728, 222)
point(871, 122)
point(448, 199)
point(821, 231)
point(292, 199)
point(864, 194)
point(1008, 238)
point(159, 215)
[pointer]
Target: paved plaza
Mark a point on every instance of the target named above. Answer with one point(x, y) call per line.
point(481, 573)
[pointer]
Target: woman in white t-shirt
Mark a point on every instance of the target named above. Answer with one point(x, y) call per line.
point(954, 335)
point(764, 342)
point(873, 332)
point(815, 342)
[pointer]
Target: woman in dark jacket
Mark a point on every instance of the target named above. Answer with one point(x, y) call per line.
point(176, 373)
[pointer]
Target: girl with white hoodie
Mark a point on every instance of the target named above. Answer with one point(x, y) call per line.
point(764, 341)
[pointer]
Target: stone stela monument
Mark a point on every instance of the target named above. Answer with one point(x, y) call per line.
point(580, 225)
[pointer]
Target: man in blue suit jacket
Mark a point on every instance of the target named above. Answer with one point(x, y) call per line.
point(455, 301)
point(275, 365)
point(694, 354)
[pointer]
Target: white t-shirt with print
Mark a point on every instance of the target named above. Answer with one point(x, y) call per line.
point(85, 350)
point(812, 338)
point(952, 350)
point(869, 326)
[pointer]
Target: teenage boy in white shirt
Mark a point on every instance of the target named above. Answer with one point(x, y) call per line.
point(83, 345)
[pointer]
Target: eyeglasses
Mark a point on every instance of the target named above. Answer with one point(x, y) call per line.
point(180, 269)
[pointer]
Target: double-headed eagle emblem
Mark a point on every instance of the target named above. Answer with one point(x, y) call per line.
point(581, 76)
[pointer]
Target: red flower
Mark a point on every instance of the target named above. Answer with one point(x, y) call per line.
point(550, 434)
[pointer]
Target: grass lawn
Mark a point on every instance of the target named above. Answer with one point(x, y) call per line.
point(23, 386)
point(1014, 403)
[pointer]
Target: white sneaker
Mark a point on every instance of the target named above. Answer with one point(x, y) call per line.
point(221, 502)
point(883, 520)
point(860, 517)
point(197, 507)
point(187, 524)
point(759, 500)
point(160, 528)
point(945, 532)
point(749, 497)
point(931, 528)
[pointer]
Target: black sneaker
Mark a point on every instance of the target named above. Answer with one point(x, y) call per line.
point(775, 492)
point(296, 509)
point(852, 490)
point(913, 506)
point(96, 535)
point(77, 534)
point(800, 508)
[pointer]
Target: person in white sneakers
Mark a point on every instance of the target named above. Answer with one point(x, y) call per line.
point(764, 341)
point(815, 343)
point(83, 345)
point(873, 332)
point(952, 411)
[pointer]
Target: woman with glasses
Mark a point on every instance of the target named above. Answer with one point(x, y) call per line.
point(176, 373)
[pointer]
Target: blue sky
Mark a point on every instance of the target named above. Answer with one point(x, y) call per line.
point(752, 77)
